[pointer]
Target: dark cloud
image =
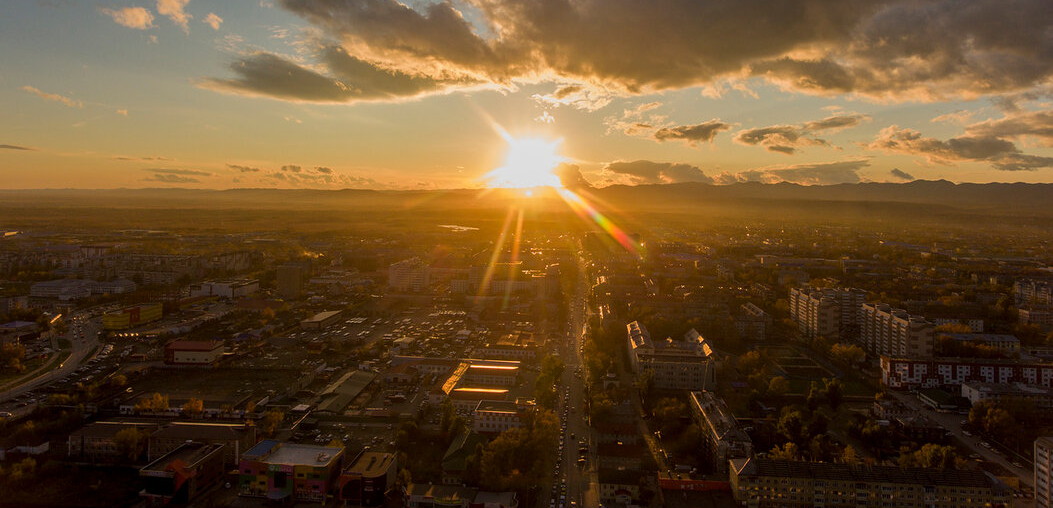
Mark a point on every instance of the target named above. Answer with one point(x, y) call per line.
point(999, 153)
point(319, 177)
point(184, 172)
point(124, 158)
point(571, 178)
point(167, 178)
point(243, 169)
point(647, 172)
point(1038, 124)
point(828, 173)
point(293, 168)
point(882, 48)
point(349, 79)
point(900, 174)
point(323, 169)
point(788, 138)
point(16, 147)
point(692, 134)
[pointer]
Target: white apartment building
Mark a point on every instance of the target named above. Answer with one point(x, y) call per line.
point(676, 365)
point(884, 331)
point(830, 313)
point(1044, 472)
point(409, 275)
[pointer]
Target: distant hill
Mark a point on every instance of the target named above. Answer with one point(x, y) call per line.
point(992, 198)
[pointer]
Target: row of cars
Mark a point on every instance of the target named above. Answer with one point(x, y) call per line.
point(559, 477)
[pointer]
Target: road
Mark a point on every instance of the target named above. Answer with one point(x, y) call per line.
point(83, 337)
point(574, 484)
point(952, 423)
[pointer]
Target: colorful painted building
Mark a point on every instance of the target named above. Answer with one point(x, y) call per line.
point(129, 317)
point(289, 471)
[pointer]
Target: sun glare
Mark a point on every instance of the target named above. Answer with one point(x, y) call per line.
point(529, 162)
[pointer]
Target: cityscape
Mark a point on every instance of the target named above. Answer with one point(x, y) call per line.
point(526, 254)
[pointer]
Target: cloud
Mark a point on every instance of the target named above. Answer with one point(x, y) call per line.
point(174, 10)
point(887, 49)
point(243, 169)
point(73, 103)
point(183, 172)
point(788, 139)
point(1001, 154)
point(545, 117)
point(827, 173)
point(1035, 124)
point(347, 79)
point(166, 178)
point(213, 20)
point(122, 112)
point(16, 147)
point(323, 169)
point(692, 134)
point(577, 96)
point(131, 17)
point(648, 172)
point(960, 117)
point(900, 174)
point(156, 158)
point(294, 169)
point(319, 177)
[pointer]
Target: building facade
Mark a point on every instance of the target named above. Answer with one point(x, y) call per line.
point(287, 471)
point(723, 439)
point(764, 483)
point(911, 373)
point(1044, 472)
point(830, 313)
point(673, 365)
point(887, 331)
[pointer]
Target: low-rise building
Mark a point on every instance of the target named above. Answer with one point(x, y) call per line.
point(133, 316)
point(367, 480)
point(98, 442)
point(180, 475)
point(322, 320)
point(235, 438)
point(62, 289)
point(289, 471)
point(619, 486)
point(752, 323)
point(723, 439)
point(911, 373)
point(495, 417)
point(1040, 398)
point(764, 483)
point(673, 365)
point(199, 353)
point(1005, 343)
point(236, 288)
point(428, 495)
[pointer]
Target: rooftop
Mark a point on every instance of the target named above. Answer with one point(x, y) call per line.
point(371, 464)
point(293, 454)
point(187, 455)
point(873, 474)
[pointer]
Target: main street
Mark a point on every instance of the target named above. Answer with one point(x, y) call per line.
point(951, 422)
point(83, 337)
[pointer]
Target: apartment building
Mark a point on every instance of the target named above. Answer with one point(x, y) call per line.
point(831, 313)
point(893, 332)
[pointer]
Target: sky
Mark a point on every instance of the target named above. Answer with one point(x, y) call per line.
point(382, 94)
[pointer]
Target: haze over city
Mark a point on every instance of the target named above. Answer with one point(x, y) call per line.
point(526, 253)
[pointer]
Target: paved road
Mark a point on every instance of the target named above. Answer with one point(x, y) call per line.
point(952, 423)
point(82, 335)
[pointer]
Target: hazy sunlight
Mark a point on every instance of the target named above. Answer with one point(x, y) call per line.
point(530, 162)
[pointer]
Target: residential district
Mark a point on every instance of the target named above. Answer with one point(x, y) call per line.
point(737, 366)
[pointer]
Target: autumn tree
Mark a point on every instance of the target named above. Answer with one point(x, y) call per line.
point(778, 386)
point(847, 353)
point(270, 422)
point(193, 407)
point(929, 456)
point(155, 402)
point(130, 442)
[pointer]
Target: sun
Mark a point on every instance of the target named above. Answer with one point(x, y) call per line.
point(529, 163)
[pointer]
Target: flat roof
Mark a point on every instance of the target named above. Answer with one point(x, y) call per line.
point(372, 464)
point(293, 454)
point(189, 454)
point(322, 316)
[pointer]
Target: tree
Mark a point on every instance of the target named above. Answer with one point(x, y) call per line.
point(788, 451)
point(11, 356)
point(270, 421)
point(130, 442)
point(849, 455)
point(155, 402)
point(834, 392)
point(847, 353)
point(778, 386)
point(929, 456)
point(193, 407)
point(791, 425)
point(667, 414)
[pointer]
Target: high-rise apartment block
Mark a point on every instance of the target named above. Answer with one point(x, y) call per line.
point(884, 331)
point(830, 313)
